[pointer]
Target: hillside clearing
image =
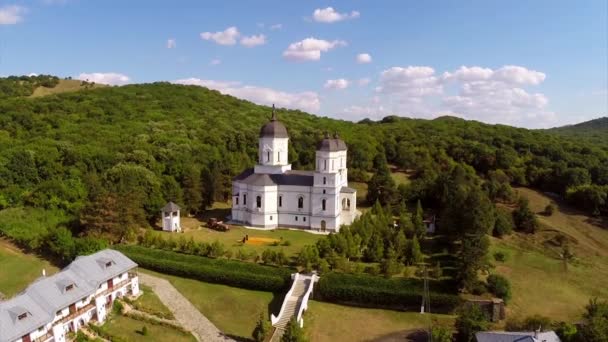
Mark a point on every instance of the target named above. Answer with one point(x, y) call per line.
point(64, 86)
point(540, 282)
point(19, 269)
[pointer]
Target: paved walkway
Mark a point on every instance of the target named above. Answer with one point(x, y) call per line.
point(184, 312)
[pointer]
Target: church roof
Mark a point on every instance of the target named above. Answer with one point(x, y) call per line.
point(331, 144)
point(298, 178)
point(274, 128)
point(171, 207)
point(347, 190)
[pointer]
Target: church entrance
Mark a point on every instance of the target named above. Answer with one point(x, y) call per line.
point(323, 225)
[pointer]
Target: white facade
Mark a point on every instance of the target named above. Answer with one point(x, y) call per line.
point(272, 195)
point(171, 218)
point(56, 305)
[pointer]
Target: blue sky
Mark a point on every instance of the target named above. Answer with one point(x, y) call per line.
point(524, 63)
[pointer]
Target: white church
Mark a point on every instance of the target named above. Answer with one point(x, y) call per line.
point(272, 194)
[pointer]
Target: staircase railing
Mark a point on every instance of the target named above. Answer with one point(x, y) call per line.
point(275, 319)
point(304, 303)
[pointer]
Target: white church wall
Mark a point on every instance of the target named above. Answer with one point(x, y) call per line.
point(273, 151)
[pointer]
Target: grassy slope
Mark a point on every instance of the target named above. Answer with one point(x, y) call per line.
point(234, 311)
point(331, 322)
point(18, 270)
point(540, 283)
point(130, 330)
point(64, 86)
point(149, 302)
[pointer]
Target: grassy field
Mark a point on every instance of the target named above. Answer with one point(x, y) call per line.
point(234, 311)
point(63, 87)
point(149, 302)
point(19, 269)
point(540, 282)
point(129, 329)
point(331, 322)
point(259, 240)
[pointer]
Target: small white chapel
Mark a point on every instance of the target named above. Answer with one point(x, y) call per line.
point(271, 194)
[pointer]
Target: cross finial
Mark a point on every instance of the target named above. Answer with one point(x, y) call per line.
point(274, 114)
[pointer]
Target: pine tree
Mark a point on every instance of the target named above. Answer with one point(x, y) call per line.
point(262, 329)
point(293, 332)
point(418, 221)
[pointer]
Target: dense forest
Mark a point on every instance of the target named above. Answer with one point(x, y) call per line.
point(100, 163)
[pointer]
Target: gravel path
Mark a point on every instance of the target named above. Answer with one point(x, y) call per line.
point(184, 312)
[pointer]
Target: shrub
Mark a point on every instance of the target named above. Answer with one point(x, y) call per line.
point(144, 330)
point(117, 307)
point(503, 225)
point(470, 321)
point(228, 272)
point(499, 286)
point(262, 329)
point(286, 243)
point(549, 209)
point(478, 288)
point(500, 256)
point(383, 293)
point(441, 334)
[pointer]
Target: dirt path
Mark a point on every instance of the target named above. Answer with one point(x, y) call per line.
point(185, 313)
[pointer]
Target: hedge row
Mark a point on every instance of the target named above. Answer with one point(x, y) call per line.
point(381, 293)
point(228, 272)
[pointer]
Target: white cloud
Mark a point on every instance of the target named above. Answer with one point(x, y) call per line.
point(411, 81)
point(363, 81)
point(32, 74)
point(226, 37)
point(11, 14)
point(307, 101)
point(253, 40)
point(310, 49)
point(215, 61)
point(276, 27)
point(171, 44)
point(111, 78)
point(518, 75)
point(340, 83)
point(330, 15)
point(364, 58)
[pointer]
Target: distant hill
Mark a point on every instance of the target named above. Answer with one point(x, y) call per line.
point(595, 131)
point(65, 86)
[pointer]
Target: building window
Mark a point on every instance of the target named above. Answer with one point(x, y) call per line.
point(71, 286)
point(237, 200)
point(324, 191)
point(296, 218)
point(324, 204)
point(279, 156)
point(58, 313)
point(300, 202)
point(258, 201)
point(280, 201)
point(325, 164)
point(245, 199)
point(270, 217)
point(332, 164)
point(268, 156)
point(22, 316)
point(324, 180)
point(304, 219)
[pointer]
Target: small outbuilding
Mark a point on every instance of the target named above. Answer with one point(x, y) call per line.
point(170, 217)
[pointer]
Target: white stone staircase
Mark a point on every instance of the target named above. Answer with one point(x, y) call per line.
point(291, 305)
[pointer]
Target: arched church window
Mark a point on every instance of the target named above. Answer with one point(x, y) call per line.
point(324, 204)
point(280, 201)
point(268, 156)
point(324, 180)
point(279, 156)
point(325, 164)
point(244, 199)
point(300, 202)
point(258, 201)
point(237, 200)
point(348, 203)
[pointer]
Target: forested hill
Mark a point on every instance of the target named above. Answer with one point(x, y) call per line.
point(594, 131)
point(148, 143)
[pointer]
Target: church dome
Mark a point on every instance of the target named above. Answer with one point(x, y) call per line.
point(331, 145)
point(274, 128)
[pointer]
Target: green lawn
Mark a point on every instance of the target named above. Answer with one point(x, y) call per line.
point(234, 311)
point(150, 303)
point(540, 284)
point(19, 269)
point(232, 239)
point(129, 329)
point(331, 322)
